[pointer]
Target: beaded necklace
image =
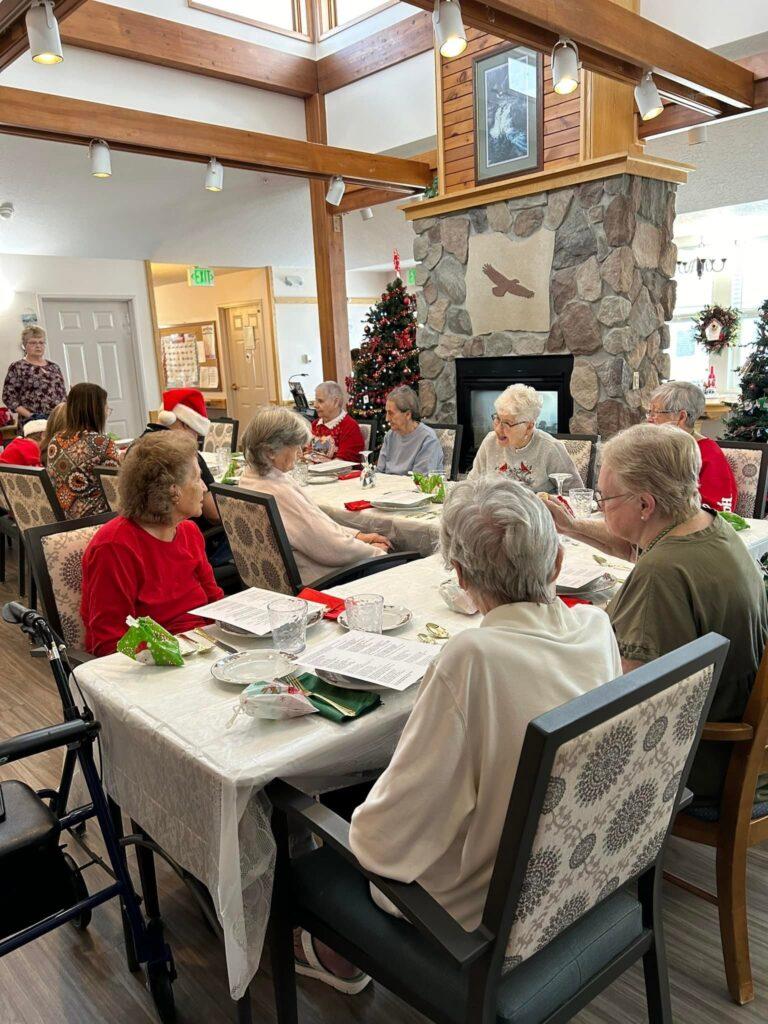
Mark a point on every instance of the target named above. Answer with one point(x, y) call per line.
point(657, 538)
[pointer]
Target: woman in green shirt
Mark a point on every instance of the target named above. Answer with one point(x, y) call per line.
point(693, 574)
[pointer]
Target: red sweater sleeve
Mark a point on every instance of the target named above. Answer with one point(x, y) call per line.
point(716, 480)
point(350, 440)
point(203, 570)
point(110, 577)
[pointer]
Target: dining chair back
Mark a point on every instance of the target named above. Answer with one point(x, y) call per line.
point(583, 450)
point(449, 435)
point(107, 477)
point(222, 434)
point(749, 463)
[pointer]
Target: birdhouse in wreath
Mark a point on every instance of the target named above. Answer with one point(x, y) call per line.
point(714, 330)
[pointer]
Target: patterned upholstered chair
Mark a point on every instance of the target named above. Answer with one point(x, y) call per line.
point(749, 462)
point(262, 553)
point(583, 450)
point(223, 432)
point(56, 556)
point(30, 496)
point(449, 435)
point(598, 783)
point(107, 477)
point(369, 428)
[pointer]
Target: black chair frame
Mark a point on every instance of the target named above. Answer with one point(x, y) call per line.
point(350, 573)
point(481, 952)
point(762, 478)
point(25, 571)
point(459, 430)
point(235, 429)
point(595, 439)
point(101, 471)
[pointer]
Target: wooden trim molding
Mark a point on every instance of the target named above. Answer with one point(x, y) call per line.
point(278, 29)
point(13, 31)
point(553, 177)
point(63, 119)
point(143, 37)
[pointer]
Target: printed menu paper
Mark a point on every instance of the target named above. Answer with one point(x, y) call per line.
point(579, 577)
point(248, 610)
point(371, 658)
point(332, 466)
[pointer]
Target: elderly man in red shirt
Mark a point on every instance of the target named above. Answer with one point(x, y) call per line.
point(335, 435)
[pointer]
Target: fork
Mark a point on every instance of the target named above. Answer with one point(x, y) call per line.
point(295, 681)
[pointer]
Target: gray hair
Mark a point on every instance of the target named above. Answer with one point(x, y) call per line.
point(663, 461)
point(272, 428)
point(521, 401)
point(406, 400)
point(682, 396)
point(503, 537)
point(333, 391)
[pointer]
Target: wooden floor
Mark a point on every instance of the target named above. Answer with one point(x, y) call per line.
point(81, 978)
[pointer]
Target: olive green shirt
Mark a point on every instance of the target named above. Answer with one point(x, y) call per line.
point(686, 587)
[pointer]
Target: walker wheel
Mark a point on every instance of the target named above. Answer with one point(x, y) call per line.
point(79, 891)
point(161, 989)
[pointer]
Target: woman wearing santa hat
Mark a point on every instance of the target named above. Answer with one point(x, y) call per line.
point(25, 451)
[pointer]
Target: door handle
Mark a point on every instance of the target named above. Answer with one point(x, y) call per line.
point(235, 387)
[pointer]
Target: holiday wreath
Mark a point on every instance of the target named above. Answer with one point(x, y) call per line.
point(716, 327)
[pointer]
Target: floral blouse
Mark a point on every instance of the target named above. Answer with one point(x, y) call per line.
point(71, 466)
point(37, 388)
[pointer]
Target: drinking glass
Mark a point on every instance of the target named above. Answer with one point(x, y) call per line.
point(223, 457)
point(580, 500)
point(560, 479)
point(365, 611)
point(288, 622)
point(301, 473)
point(368, 474)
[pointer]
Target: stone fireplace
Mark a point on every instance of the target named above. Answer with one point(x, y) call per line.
point(610, 293)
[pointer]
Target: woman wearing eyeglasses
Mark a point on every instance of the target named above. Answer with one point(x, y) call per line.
point(34, 385)
point(518, 448)
point(693, 574)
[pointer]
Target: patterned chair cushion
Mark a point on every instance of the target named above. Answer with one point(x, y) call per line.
point(447, 439)
point(111, 490)
point(28, 502)
point(609, 803)
point(581, 453)
point(220, 434)
point(254, 546)
point(63, 554)
point(365, 430)
point(745, 464)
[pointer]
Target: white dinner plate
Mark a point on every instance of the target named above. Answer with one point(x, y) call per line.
point(395, 616)
point(251, 667)
point(401, 501)
point(348, 682)
point(314, 615)
point(323, 478)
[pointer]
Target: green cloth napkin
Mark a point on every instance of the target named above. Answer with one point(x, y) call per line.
point(735, 520)
point(359, 701)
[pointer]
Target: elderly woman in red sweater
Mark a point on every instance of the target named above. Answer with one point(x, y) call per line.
point(681, 403)
point(335, 435)
point(150, 560)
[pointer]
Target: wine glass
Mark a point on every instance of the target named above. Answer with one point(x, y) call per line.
point(368, 474)
point(560, 479)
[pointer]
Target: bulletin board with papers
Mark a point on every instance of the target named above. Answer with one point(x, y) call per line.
point(190, 356)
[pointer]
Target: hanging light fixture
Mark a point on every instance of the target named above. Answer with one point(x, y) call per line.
point(214, 176)
point(565, 66)
point(449, 28)
point(366, 213)
point(335, 192)
point(647, 98)
point(101, 161)
point(43, 33)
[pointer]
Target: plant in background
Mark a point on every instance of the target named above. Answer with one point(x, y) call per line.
point(716, 327)
point(749, 419)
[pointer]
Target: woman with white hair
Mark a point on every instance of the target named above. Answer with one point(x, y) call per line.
point(336, 435)
point(681, 404)
point(410, 446)
point(272, 442)
point(518, 448)
point(693, 574)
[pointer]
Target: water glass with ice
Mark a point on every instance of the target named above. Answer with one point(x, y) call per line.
point(288, 622)
point(365, 611)
point(580, 500)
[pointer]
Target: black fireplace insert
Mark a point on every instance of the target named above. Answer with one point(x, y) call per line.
point(480, 381)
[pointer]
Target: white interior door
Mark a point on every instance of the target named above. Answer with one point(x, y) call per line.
point(248, 348)
point(93, 341)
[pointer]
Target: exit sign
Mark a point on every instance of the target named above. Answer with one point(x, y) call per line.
point(411, 275)
point(200, 277)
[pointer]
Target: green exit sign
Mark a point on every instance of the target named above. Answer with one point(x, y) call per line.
point(411, 275)
point(200, 277)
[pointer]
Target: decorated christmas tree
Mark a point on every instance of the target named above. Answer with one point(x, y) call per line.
point(388, 355)
point(749, 419)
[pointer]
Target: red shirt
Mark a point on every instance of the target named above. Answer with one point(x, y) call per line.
point(127, 571)
point(346, 435)
point(716, 479)
point(22, 451)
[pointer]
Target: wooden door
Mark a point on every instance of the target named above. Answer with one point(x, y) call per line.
point(250, 361)
point(93, 341)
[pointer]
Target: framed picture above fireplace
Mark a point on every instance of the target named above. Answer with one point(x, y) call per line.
point(509, 112)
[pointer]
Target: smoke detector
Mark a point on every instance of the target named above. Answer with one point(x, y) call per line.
point(6, 210)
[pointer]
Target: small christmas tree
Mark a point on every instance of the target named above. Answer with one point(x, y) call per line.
point(388, 356)
point(749, 419)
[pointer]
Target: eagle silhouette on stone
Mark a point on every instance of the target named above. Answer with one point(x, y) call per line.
point(504, 285)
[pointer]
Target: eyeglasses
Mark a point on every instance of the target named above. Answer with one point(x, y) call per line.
point(653, 413)
point(600, 498)
point(496, 420)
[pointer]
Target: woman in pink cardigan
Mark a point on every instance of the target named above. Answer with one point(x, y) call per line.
point(272, 442)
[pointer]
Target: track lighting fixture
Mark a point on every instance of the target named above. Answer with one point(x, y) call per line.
point(647, 98)
point(449, 28)
point(101, 162)
point(43, 33)
point(565, 66)
point(214, 176)
point(335, 192)
point(366, 213)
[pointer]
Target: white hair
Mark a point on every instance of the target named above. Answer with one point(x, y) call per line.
point(272, 428)
point(663, 461)
point(682, 396)
point(521, 401)
point(333, 391)
point(503, 538)
point(406, 400)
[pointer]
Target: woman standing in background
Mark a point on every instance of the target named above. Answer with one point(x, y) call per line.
point(33, 385)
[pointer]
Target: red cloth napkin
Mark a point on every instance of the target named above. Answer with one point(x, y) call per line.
point(357, 506)
point(352, 475)
point(335, 605)
point(571, 601)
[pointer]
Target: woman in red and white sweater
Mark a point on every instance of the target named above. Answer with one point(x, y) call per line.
point(681, 403)
point(335, 434)
point(151, 559)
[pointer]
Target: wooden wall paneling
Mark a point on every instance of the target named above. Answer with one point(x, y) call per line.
point(609, 124)
point(330, 266)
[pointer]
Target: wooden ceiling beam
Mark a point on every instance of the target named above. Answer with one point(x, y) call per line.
point(13, 30)
point(357, 197)
point(392, 45)
point(124, 33)
point(676, 118)
point(70, 120)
